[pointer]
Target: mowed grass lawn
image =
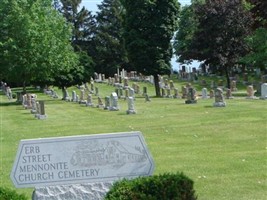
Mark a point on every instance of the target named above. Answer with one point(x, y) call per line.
point(223, 150)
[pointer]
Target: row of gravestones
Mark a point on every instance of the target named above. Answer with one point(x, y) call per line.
point(219, 97)
point(188, 92)
point(111, 102)
point(6, 89)
point(29, 101)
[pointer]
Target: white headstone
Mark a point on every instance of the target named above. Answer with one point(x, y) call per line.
point(264, 91)
point(114, 102)
point(131, 109)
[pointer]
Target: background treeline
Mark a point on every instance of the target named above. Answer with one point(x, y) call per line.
point(60, 43)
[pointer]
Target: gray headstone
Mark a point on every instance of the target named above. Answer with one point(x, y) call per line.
point(219, 98)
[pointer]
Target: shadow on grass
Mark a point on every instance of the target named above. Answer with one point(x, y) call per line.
point(208, 106)
point(9, 103)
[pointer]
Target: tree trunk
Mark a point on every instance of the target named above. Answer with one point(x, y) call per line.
point(156, 83)
point(24, 87)
point(227, 76)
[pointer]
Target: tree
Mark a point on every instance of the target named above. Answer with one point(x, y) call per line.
point(259, 13)
point(257, 42)
point(78, 19)
point(81, 21)
point(109, 41)
point(220, 35)
point(34, 42)
point(257, 56)
point(183, 38)
point(149, 28)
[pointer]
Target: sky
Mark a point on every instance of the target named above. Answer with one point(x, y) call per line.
point(91, 5)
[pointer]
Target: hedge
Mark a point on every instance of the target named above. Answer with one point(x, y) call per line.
point(164, 187)
point(8, 194)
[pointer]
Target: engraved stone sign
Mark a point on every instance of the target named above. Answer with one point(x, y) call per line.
point(81, 159)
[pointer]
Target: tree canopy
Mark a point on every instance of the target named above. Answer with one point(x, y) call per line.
point(109, 41)
point(34, 42)
point(218, 33)
point(149, 28)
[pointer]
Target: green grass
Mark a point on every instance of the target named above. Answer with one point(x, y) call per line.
point(222, 149)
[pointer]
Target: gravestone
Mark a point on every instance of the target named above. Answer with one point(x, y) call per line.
point(29, 101)
point(264, 91)
point(66, 96)
point(163, 93)
point(184, 92)
point(37, 110)
point(9, 93)
point(166, 84)
point(117, 91)
point(137, 90)
point(233, 86)
point(103, 78)
point(24, 101)
point(34, 108)
point(77, 98)
point(89, 101)
point(107, 103)
point(121, 93)
point(96, 91)
point(82, 98)
point(73, 96)
point(131, 109)
point(229, 94)
point(19, 97)
point(144, 90)
point(171, 85)
point(250, 92)
point(113, 102)
point(100, 103)
point(55, 95)
point(116, 77)
point(168, 93)
point(42, 114)
point(219, 98)
point(92, 88)
point(126, 91)
point(191, 96)
point(131, 93)
point(211, 94)
point(125, 82)
point(176, 93)
point(204, 93)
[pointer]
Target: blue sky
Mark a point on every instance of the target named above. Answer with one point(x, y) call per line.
point(91, 5)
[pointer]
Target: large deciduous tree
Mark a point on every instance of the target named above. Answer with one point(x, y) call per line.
point(149, 28)
point(109, 41)
point(34, 42)
point(220, 35)
point(258, 9)
point(257, 56)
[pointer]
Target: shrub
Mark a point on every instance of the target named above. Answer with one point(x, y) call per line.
point(8, 194)
point(164, 187)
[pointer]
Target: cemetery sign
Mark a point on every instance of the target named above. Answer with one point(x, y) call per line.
point(81, 159)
